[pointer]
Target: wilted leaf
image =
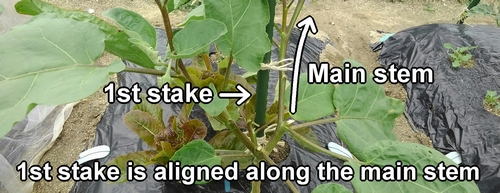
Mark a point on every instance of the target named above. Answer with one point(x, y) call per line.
point(246, 22)
point(195, 38)
point(197, 153)
point(226, 140)
point(314, 101)
point(366, 114)
point(142, 158)
point(132, 21)
point(144, 125)
point(387, 152)
point(38, 68)
point(193, 130)
point(331, 188)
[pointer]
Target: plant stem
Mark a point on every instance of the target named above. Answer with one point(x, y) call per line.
point(255, 187)
point(228, 72)
point(263, 75)
point(206, 60)
point(144, 71)
point(316, 122)
point(295, 15)
point(170, 36)
point(280, 131)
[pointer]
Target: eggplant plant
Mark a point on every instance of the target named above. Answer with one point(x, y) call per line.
point(50, 60)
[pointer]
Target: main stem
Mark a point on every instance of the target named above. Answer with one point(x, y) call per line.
point(280, 131)
point(263, 75)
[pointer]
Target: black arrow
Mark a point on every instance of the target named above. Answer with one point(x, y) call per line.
point(307, 24)
point(243, 94)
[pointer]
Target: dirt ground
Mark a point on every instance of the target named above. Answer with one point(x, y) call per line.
point(348, 23)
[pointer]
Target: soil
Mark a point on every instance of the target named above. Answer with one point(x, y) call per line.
point(349, 24)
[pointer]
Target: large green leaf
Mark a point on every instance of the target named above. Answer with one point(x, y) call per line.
point(387, 152)
point(49, 61)
point(197, 153)
point(313, 100)
point(117, 42)
point(132, 21)
point(246, 22)
point(197, 13)
point(217, 106)
point(366, 114)
point(331, 188)
point(195, 37)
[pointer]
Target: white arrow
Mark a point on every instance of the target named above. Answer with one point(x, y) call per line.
point(307, 24)
point(243, 94)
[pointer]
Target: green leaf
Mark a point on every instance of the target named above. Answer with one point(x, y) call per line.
point(366, 114)
point(38, 68)
point(467, 57)
point(142, 158)
point(331, 188)
point(195, 37)
point(197, 13)
point(217, 105)
point(132, 21)
point(145, 125)
point(313, 100)
point(482, 9)
point(246, 22)
point(456, 63)
point(463, 49)
point(197, 153)
point(117, 42)
point(448, 46)
point(385, 153)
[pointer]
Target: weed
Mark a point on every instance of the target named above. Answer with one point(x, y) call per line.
point(491, 102)
point(459, 57)
point(429, 7)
